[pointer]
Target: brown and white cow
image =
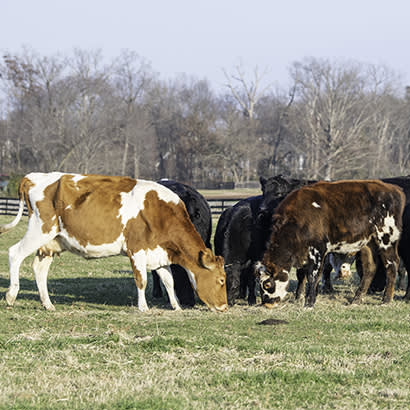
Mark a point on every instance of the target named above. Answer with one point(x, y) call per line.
point(96, 216)
point(343, 217)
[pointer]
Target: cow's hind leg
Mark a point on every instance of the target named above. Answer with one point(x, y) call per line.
point(390, 260)
point(31, 241)
point(166, 277)
point(41, 265)
point(368, 269)
point(327, 281)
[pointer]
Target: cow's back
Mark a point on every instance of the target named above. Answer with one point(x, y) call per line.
point(340, 209)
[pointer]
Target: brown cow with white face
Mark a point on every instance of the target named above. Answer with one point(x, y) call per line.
point(96, 216)
point(342, 217)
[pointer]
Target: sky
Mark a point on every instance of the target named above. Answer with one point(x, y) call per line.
point(202, 38)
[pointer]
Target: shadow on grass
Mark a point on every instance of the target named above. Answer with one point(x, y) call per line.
point(116, 291)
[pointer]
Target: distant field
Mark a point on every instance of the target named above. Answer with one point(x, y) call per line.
point(97, 351)
point(229, 193)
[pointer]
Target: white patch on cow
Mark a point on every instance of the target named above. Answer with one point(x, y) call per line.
point(191, 278)
point(151, 258)
point(345, 268)
point(76, 178)
point(41, 182)
point(280, 289)
point(133, 202)
point(315, 204)
point(389, 228)
point(346, 247)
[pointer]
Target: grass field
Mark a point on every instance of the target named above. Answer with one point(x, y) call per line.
point(98, 351)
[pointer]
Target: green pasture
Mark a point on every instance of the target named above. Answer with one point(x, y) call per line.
point(97, 351)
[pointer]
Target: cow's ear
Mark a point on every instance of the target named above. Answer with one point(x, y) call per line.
point(278, 221)
point(258, 269)
point(206, 259)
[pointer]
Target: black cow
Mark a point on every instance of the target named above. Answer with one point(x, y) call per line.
point(243, 231)
point(236, 239)
point(200, 214)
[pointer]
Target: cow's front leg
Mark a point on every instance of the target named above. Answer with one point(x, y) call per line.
point(301, 274)
point(139, 269)
point(166, 276)
point(313, 276)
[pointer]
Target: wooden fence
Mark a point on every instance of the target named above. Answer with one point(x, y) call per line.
point(10, 206)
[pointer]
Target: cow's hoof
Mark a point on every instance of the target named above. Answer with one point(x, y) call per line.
point(143, 308)
point(10, 299)
point(49, 307)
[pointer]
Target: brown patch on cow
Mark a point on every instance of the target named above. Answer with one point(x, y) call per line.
point(89, 208)
point(24, 187)
point(153, 224)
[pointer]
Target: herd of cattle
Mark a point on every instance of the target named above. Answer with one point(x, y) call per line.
point(165, 227)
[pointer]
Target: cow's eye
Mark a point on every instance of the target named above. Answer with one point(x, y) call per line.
point(267, 285)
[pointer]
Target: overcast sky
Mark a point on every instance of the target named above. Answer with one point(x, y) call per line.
point(203, 37)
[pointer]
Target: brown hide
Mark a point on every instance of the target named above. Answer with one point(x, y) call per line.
point(333, 216)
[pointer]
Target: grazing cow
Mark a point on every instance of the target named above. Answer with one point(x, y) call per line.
point(342, 217)
point(96, 216)
point(341, 264)
point(243, 231)
point(200, 215)
point(379, 281)
point(237, 240)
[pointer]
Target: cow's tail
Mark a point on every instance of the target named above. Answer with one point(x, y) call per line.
point(23, 197)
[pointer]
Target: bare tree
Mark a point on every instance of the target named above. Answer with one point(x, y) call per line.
point(247, 92)
point(91, 125)
point(132, 78)
point(336, 108)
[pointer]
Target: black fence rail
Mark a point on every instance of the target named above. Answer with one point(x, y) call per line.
point(218, 205)
point(10, 206)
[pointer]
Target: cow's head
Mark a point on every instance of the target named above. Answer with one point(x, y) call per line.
point(274, 284)
point(210, 281)
point(341, 264)
point(344, 272)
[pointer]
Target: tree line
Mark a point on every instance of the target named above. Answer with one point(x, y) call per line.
point(80, 113)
